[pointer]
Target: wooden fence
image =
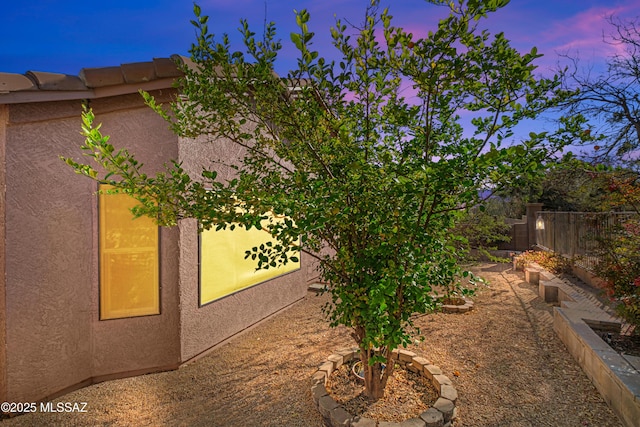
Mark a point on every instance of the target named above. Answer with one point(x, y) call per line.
point(575, 235)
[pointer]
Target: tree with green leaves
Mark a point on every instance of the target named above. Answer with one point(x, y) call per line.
point(367, 155)
point(619, 249)
point(481, 229)
point(571, 184)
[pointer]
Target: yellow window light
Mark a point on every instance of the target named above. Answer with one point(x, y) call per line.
point(129, 259)
point(223, 267)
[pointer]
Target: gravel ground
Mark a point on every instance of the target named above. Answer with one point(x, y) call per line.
point(513, 371)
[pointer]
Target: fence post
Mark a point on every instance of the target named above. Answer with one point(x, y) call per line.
point(532, 214)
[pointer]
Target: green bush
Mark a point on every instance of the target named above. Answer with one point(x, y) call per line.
point(482, 232)
point(551, 261)
point(619, 267)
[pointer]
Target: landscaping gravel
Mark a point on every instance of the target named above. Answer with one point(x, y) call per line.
point(504, 359)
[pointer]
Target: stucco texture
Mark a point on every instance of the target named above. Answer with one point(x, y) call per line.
point(206, 326)
point(49, 299)
point(53, 336)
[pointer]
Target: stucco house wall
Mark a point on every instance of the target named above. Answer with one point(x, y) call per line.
point(222, 318)
point(53, 333)
point(51, 337)
point(213, 323)
point(46, 238)
point(4, 114)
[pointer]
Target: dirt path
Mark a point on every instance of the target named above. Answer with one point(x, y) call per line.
point(513, 371)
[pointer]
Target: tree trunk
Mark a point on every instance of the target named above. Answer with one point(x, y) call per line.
point(375, 378)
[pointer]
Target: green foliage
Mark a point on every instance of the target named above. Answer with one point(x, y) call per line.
point(573, 185)
point(365, 155)
point(481, 230)
point(551, 261)
point(569, 184)
point(619, 254)
point(619, 267)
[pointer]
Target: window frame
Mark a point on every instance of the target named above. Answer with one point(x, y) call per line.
point(244, 288)
point(101, 285)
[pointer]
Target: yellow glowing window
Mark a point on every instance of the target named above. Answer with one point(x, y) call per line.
point(129, 278)
point(223, 269)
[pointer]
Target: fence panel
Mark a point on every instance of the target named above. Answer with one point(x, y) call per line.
point(575, 235)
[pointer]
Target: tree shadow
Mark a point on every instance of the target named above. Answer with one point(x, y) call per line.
point(496, 268)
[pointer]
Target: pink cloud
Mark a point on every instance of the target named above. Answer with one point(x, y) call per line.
point(583, 33)
point(586, 34)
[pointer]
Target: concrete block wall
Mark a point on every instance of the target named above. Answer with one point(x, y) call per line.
point(617, 380)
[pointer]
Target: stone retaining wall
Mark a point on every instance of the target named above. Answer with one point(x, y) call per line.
point(440, 414)
point(617, 380)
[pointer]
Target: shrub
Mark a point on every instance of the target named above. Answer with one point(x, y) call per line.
point(619, 267)
point(481, 232)
point(551, 261)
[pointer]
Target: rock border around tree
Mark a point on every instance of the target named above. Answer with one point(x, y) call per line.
point(440, 414)
point(460, 305)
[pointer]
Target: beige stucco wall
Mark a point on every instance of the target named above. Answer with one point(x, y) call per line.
point(49, 291)
point(4, 116)
point(136, 344)
point(54, 337)
point(204, 327)
point(48, 246)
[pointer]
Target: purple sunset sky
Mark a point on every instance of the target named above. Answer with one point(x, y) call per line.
point(66, 36)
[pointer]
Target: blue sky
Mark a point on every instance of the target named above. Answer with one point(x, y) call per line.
point(66, 36)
